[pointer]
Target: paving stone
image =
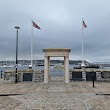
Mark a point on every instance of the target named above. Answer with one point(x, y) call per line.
point(55, 96)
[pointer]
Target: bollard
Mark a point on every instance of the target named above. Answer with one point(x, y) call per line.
point(1, 73)
point(93, 80)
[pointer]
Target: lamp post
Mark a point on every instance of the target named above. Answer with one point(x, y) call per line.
point(16, 52)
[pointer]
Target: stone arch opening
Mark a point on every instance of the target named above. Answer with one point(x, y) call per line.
point(57, 68)
point(56, 52)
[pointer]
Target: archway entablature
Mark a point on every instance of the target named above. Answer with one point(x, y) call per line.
point(56, 52)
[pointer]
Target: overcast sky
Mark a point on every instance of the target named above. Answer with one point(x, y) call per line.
point(61, 24)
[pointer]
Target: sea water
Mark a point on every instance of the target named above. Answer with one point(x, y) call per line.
point(54, 72)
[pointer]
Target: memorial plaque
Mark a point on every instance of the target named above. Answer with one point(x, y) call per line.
point(105, 75)
point(27, 76)
point(77, 76)
point(89, 76)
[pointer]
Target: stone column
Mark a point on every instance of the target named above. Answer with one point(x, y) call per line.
point(66, 69)
point(46, 70)
point(84, 76)
point(33, 78)
point(22, 77)
point(98, 76)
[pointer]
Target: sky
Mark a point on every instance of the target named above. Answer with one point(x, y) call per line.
point(61, 27)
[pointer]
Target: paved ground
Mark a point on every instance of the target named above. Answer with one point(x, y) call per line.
point(55, 96)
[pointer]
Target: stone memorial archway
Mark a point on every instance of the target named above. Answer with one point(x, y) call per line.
point(56, 52)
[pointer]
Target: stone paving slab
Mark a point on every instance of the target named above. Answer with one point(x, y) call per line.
point(55, 96)
point(62, 101)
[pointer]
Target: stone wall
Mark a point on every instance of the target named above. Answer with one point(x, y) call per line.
point(105, 76)
point(37, 76)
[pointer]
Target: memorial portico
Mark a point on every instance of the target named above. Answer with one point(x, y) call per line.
point(56, 52)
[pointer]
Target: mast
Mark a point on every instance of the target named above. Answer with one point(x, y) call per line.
point(32, 45)
point(83, 26)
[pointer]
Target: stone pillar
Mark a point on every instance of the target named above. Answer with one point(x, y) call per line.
point(33, 78)
point(64, 68)
point(66, 60)
point(21, 77)
point(84, 76)
point(98, 76)
point(46, 70)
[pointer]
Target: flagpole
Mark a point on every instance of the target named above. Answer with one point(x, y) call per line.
point(35, 26)
point(32, 44)
point(82, 45)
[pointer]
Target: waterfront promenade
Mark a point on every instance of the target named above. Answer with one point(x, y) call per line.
point(54, 96)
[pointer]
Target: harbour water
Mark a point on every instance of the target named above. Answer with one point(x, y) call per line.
point(54, 72)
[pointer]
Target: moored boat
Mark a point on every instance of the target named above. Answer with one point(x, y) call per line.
point(87, 66)
point(58, 65)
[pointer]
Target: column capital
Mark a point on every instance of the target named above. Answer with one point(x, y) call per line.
point(46, 56)
point(66, 56)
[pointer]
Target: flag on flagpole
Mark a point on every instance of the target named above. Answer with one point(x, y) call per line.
point(84, 24)
point(35, 25)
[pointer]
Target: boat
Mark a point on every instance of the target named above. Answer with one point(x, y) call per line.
point(40, 64)
point(30, 66)
point(87, 66)
point(7, 66)
point(20, 65)
point(59, 65)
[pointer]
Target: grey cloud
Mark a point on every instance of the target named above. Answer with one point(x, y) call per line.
point(61, 24)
